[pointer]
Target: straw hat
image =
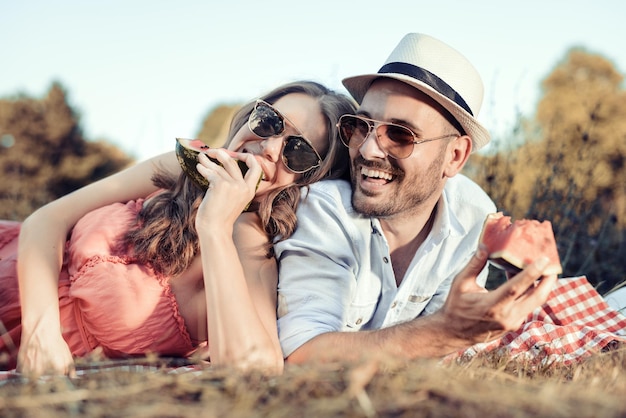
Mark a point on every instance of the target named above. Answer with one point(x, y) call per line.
point(438, 70)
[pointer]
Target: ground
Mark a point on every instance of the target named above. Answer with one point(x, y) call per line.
point(492, 386)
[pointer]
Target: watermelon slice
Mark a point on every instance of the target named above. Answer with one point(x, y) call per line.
point(514, 245)
point(187, 151)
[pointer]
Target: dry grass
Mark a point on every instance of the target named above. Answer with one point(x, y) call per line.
point(488, 386)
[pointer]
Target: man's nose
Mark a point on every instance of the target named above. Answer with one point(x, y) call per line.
point(370, 148)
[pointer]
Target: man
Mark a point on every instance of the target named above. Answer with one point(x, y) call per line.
point(386, 258)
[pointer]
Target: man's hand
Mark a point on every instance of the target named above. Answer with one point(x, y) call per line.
point(477, 315)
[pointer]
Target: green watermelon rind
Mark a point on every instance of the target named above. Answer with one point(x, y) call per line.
point(506, 261)
point(187, 156)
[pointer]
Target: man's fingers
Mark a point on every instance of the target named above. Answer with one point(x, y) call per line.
point(522, 281)
point(537, 295)
point(539, 265)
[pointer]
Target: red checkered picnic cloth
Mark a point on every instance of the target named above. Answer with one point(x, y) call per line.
point(573, 324)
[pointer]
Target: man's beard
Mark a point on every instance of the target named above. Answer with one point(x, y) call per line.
point(405, 195)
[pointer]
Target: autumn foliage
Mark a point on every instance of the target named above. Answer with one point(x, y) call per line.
point(43, 154)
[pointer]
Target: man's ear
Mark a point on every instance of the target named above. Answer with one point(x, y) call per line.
point(458, 153)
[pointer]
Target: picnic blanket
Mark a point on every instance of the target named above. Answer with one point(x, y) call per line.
point(573, 324)
point(168, 365)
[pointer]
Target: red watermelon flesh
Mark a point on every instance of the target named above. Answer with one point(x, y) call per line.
point(514, 245)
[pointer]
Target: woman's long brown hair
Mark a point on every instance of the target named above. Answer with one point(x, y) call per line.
point(165, 236)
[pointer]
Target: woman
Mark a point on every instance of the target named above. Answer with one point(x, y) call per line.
point(145, 261)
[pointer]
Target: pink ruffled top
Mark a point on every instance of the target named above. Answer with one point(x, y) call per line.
point(110, 302)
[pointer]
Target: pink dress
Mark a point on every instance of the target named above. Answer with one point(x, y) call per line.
point(106, 300)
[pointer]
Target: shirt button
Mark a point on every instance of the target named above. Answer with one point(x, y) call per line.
point(385, 260)
point(358, 321)
point(393, 305)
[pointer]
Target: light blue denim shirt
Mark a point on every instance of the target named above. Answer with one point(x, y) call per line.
point(335, 271)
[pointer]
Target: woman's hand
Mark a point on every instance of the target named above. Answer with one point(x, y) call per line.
point(229, 192)
point(44, 352)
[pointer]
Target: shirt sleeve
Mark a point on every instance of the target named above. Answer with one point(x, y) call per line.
point(317, 267)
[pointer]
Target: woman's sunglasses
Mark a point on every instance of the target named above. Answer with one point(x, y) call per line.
point(397, 141)
point(298, 153)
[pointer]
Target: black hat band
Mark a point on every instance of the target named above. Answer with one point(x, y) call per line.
point(428, 78)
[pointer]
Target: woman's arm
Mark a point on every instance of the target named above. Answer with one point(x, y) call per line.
point(240, 281)
point(40, 256)
point(240, 287)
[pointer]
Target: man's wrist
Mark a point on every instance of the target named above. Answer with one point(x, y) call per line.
point(435, 336)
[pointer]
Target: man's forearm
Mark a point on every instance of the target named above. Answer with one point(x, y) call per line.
point(471, 314)
point(422, 337)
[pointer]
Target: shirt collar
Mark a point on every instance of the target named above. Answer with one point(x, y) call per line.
point(446, 221)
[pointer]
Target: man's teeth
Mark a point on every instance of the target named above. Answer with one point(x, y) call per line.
point(376, 173)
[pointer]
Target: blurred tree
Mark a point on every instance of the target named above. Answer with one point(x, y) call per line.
point(43, 154)
point(216, 125)
point(571, 168)
point(581, 119)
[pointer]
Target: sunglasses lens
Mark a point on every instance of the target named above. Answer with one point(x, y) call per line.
point(395, 140)
point(352, 130)
point(399, 135)
point(398, 141)
point(265, 122)
point(299, 155)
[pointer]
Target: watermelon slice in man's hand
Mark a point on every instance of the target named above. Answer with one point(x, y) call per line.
point(514, 245)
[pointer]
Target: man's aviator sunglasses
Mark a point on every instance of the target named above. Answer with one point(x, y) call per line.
point(397, 141)
point(298, 153)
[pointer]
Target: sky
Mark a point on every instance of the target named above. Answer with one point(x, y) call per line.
point(141, 73)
